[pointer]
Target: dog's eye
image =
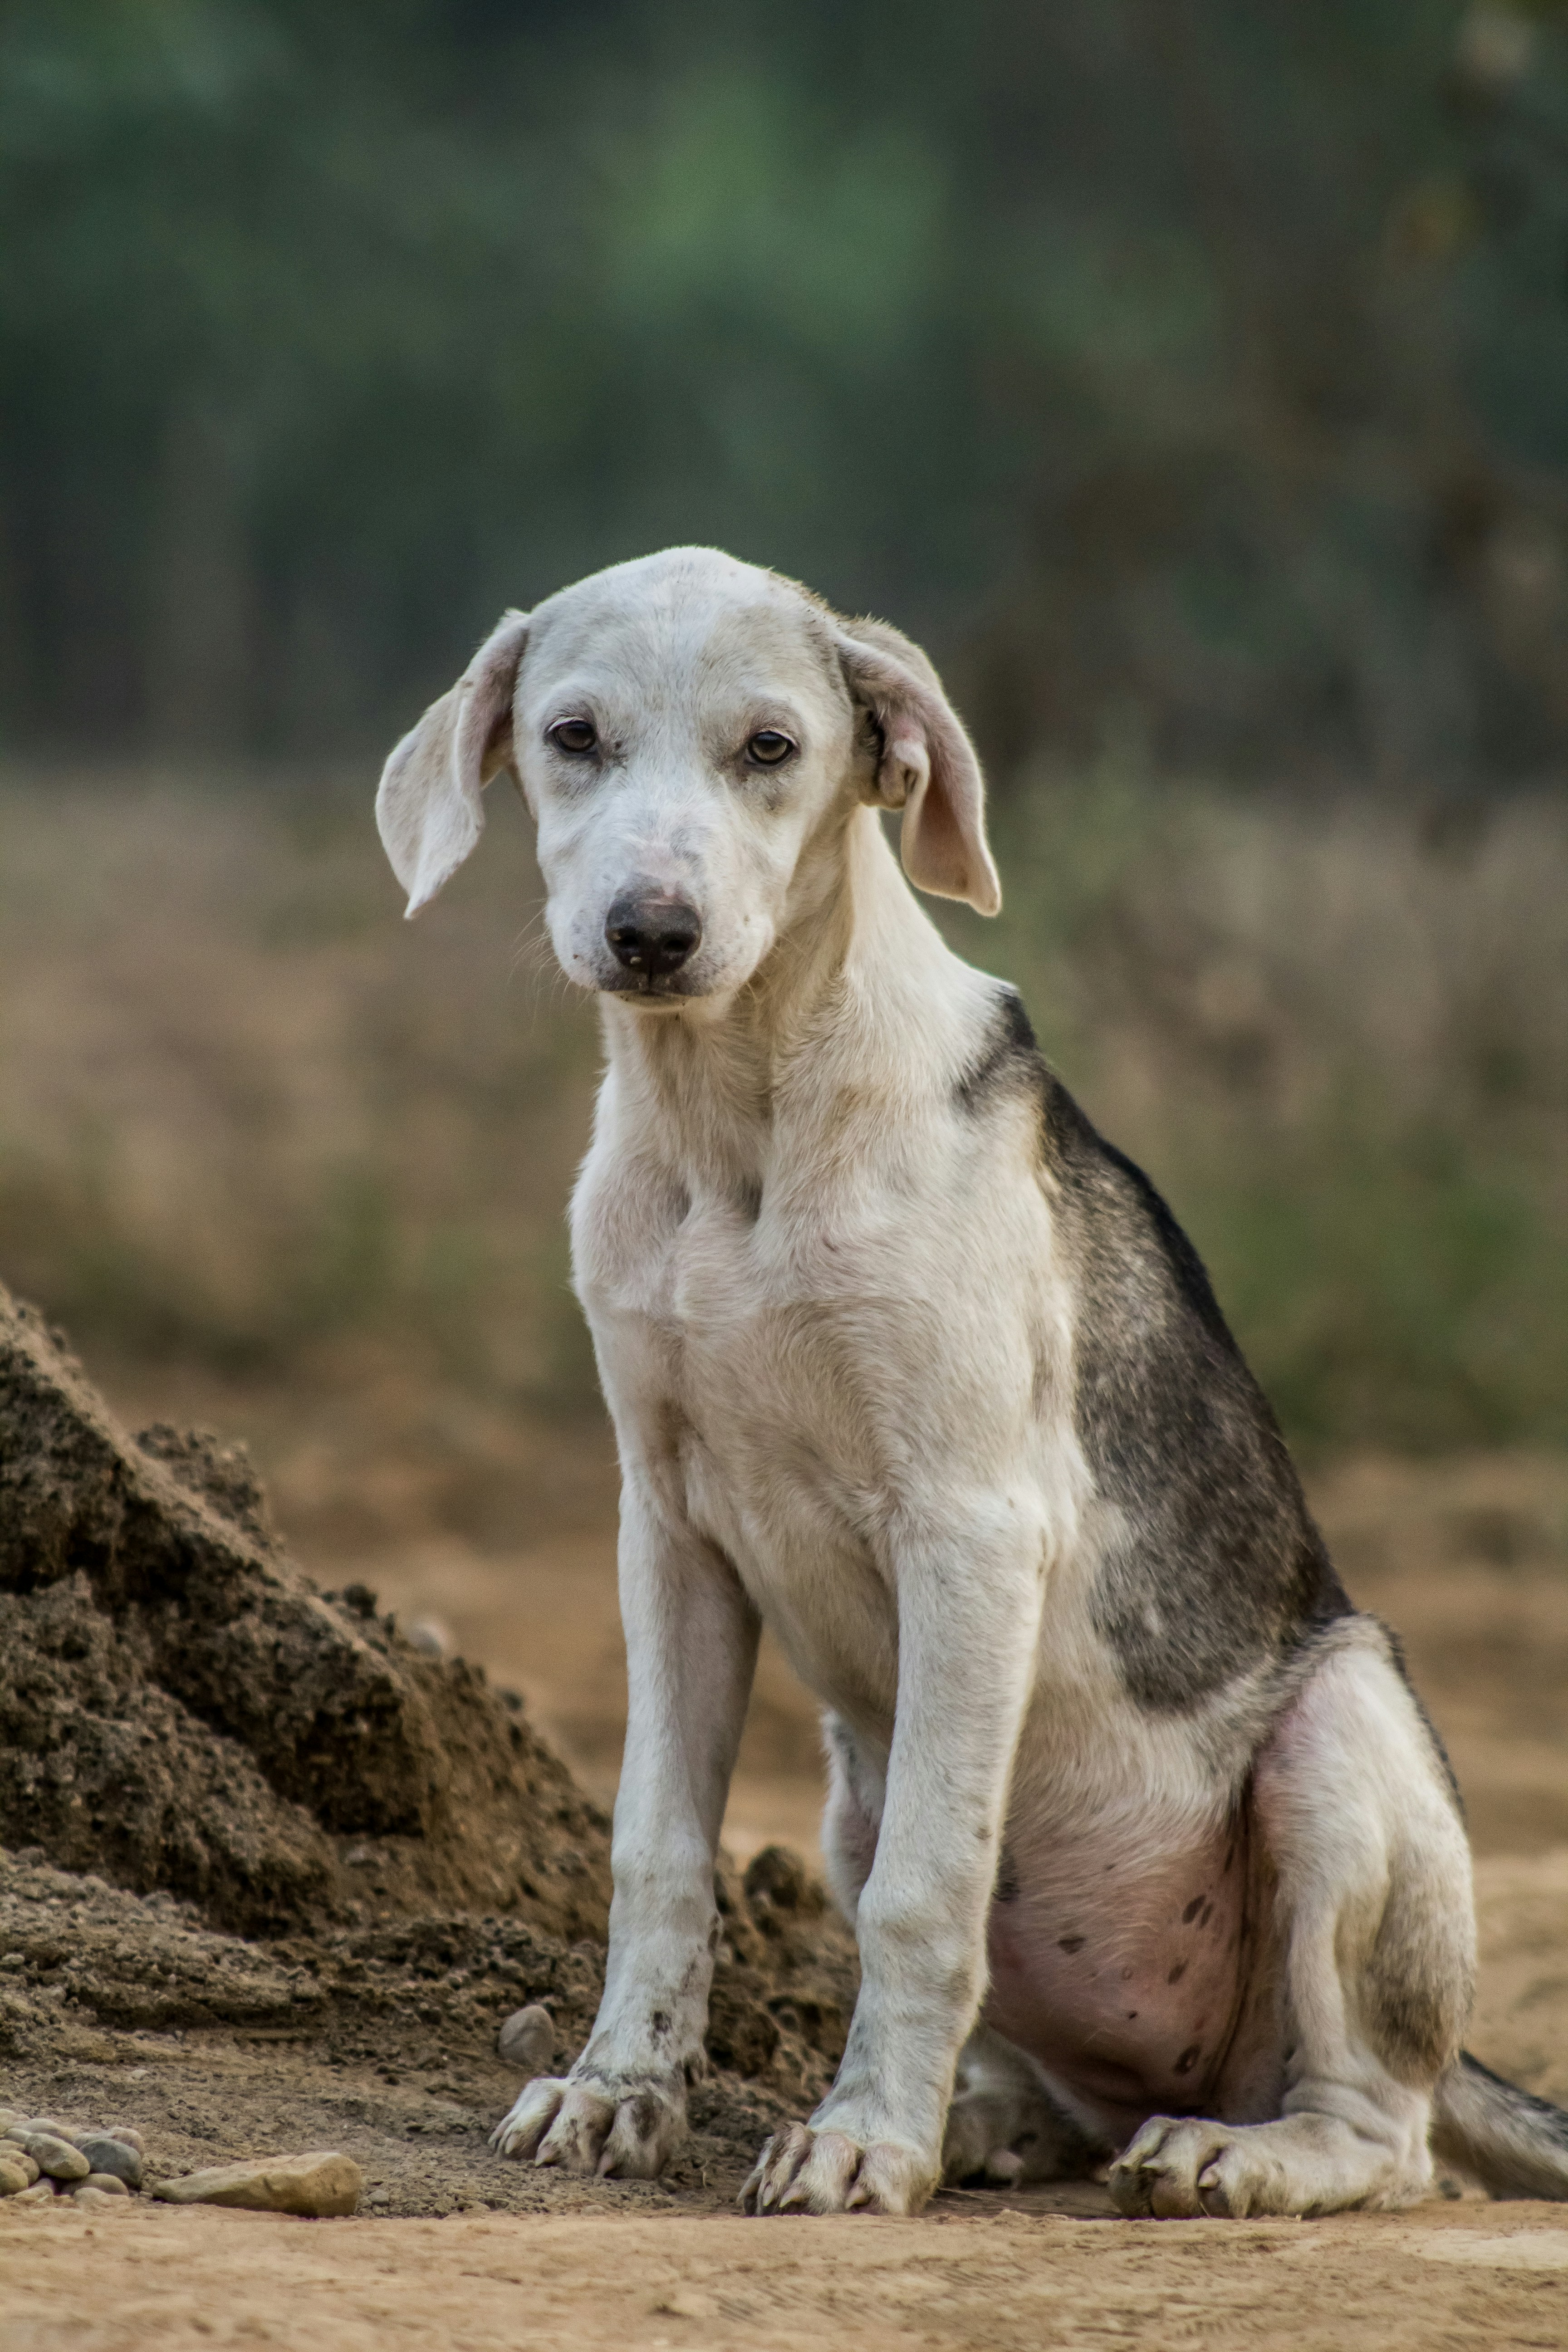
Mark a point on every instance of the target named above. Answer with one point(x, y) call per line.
point(574, 735)
point(769, 748)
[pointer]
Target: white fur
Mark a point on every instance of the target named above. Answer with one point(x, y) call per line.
point(836, 1336)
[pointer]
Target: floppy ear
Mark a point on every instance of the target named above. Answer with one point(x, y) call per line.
point(927, 767)
point(427, 807)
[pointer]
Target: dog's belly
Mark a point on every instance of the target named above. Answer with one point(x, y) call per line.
point(1121, 1972)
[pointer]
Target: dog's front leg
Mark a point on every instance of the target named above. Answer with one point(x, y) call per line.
point(968, 1612)
point(691, 1650)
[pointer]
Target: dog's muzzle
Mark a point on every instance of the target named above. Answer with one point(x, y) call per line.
point(651, 934)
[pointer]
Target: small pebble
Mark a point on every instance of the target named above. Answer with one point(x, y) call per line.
point(105, 2154)
point(686, 2303)
point(527, 2038)
point(101, 2199)
point(57, 2157)
point(109, 2182)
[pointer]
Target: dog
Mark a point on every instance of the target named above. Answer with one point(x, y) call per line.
point(1152, 1857)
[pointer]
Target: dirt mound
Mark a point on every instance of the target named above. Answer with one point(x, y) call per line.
point(179, 1707)
point(183, 1714)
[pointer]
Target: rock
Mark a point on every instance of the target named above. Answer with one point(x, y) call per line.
point(321, 2183)
point(686, 2303)
point(108, 2155)
point(527, 2040)
point(41, 2194)
point(126, 2136)
point(13, 2178)
point(55, 2156)
point(106, 2197)
point(109, 2182)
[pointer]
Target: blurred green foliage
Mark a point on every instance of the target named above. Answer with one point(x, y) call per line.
point(1193, 364)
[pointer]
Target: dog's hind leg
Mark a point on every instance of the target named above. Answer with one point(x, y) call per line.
point(1377, 1933)
point(852, 1816)
point(1004, 2123)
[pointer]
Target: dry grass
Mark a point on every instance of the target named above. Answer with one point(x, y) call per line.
point(247, 1119)
point(246, 1113)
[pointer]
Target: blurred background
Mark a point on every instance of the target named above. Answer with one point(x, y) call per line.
point(1190, 375)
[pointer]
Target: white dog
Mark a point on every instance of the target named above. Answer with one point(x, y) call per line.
point(1148, 1845)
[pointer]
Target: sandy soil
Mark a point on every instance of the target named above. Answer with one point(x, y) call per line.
point(1452, 2276)
point(504, 1537)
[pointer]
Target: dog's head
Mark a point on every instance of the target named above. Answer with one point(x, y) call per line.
point(692, 735)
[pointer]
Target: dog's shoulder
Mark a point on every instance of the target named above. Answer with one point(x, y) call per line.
point(1211, 1566)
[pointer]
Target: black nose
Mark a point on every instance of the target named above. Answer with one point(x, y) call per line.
point(652, 934)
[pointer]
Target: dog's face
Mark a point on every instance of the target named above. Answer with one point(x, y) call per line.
point(692, 735)
point(682, 738)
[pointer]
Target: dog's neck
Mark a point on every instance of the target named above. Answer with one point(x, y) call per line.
point(859, 989)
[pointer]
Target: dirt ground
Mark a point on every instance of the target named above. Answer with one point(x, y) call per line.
point(380, 2038)
point(392, 2061)
point(1450, 2277)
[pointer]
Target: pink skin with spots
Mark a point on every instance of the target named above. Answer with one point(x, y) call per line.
point(1122, 1977)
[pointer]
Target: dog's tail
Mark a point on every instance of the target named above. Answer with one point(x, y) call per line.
point(1514, 2144)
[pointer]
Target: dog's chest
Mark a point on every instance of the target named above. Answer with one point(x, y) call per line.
point(774, 1344)
point(770, 1350)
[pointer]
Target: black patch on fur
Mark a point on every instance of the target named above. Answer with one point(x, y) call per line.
point(1397, 1659)
point(1007, 1888)
point(1221, 1566)
point(1220, 1570)
point(1010, 1058)
point(749, 1198)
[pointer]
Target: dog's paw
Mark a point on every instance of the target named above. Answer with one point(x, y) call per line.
point(1157, 2171)
point(805, 2171)
point(621, 2133)
point(1184, 2170)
